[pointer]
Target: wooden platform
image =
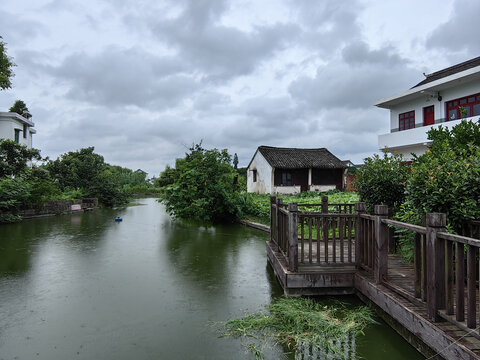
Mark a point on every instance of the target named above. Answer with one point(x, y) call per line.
point(312, 279)
point(395, 297)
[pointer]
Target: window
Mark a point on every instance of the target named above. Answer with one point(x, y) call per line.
point(25, 129)
point(406, 121)
point(287, 178)
point(470, 103)
point(17, 136)
point(254, 175)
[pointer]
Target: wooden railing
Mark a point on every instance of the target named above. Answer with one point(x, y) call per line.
point(325, 238)
point(445, 265)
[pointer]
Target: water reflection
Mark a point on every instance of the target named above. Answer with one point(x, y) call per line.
point(85, 287)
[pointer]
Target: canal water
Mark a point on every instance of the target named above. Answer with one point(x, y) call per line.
point(82, 286)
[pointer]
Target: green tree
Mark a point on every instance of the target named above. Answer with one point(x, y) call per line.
point(166, 177)
point(6, 67)
point(87, 171)
point(14, 158)
point(447, 177)
point(235, 161)
point(204, 187)
point(18, 107)
point(381, 181)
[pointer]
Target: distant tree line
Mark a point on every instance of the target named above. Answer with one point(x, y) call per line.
point(73, 175)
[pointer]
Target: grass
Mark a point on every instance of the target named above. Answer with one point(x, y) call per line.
point(259, 204)
point(301, 321)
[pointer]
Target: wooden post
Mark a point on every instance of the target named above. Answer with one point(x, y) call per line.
point(292, 237)
point(380, 262)
point(279, 233)
point(418, 264)
point(324, 204)
point(273, 219)
point(359, 209)
point(435, 222)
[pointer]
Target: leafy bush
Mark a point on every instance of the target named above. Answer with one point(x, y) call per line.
point(13, 192)
point(381, 181)
point(204, 187)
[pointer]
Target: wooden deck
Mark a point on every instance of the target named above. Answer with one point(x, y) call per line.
point(395, 297)
point(433, 303)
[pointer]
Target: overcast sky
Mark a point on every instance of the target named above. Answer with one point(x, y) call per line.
point(143, 80)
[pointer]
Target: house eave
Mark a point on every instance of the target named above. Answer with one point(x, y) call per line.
point(430, 88)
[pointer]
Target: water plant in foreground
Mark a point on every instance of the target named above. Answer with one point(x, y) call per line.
point(293, 322)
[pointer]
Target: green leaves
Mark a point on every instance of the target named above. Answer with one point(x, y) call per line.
point(6, 67)
point(381, 181)
point(202, 187)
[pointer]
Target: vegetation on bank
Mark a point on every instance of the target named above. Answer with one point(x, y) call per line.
point(74, 175)
point(204, 186)
point(257, 206)
point(301, 321)
point(445, 179)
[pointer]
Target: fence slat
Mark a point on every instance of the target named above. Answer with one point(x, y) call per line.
point(449, 280)
point(460, 282)
point(309, 239)
point(471, 288)
point(418, 265)
point(341, 230)
point(318, 238)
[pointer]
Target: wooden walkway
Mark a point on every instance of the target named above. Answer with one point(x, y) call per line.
point(433, 303)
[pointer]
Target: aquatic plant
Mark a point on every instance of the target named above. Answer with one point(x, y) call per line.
point(297, 322)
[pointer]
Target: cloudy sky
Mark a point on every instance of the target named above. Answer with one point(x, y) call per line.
point(143, 80)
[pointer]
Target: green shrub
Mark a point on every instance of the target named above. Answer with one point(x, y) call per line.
point(381, 181)
point(204, 187)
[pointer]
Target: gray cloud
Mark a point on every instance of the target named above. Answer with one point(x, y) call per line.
point(118, 77)
point(459, 32)
point(360, 77)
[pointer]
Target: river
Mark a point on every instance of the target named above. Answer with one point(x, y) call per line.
point(82, 286)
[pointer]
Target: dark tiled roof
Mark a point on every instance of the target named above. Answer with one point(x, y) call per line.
point(292, 158)
point(450, 71)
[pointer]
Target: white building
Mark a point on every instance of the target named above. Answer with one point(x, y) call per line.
point(17, 127)
point(436, 100)
point(275, 170)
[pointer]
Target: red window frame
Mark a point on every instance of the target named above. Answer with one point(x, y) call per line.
point(406, 120)
point(471, 103)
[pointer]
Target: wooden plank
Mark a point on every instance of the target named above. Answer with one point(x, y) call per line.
point(417, 260)
point(349, 232)
point(414, 322)
point(325, 236)
point(309, 239)
point(334, 243)
point(341, 230)
point(471, 288)
point(415, 228)
point(318, 221)
point(449, 278)
point(302, 243)
point(461, 239)
point(424, 268)
point(460, 282)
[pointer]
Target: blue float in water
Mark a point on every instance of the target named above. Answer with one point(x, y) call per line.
point(118, 219)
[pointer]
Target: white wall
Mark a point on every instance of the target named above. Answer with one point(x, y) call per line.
point(417, 105)
point(415, 140)
point(287, 190)
point(264, 182)
point(11, 121)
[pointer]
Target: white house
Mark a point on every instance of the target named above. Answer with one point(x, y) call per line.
point(436, 100)
point(275, 170)
point(17, 127)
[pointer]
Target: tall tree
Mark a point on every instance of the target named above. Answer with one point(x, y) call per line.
point(14, 158)
point(18, 107)
point(235, 161)
point(6, 65)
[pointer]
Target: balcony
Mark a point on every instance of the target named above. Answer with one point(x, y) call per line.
point(412, 140)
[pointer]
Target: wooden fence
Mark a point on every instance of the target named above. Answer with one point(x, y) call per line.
point(445, 265)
